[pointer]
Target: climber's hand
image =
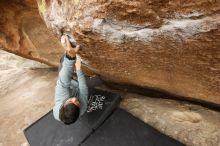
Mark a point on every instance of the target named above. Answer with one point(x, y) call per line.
point(78, 62)
point(68, 48)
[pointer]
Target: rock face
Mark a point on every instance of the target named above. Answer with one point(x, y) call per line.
point(191, 124)
point(24, 33)
point(170, 45)
point(33, 88)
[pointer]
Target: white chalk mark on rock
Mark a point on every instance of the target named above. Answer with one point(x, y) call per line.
point(119, 32)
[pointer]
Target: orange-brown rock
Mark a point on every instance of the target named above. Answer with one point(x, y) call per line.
point(24, 33)
point(167, 45)
point(172, 46)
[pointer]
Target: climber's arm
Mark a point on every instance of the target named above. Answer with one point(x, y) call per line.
point(83, 88)
point(65, 74)
point(62, 90)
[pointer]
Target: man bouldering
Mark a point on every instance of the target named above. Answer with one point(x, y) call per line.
point(71, 96)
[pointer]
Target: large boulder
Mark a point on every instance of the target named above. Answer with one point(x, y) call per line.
point(23, 32)
point(171, 46)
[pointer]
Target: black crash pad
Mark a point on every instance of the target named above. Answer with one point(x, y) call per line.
point(102, 109)
point(123, 129)
point(49, 132)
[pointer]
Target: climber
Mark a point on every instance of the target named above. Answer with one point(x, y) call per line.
point(70, 95)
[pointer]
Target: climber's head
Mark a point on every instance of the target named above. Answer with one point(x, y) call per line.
point(69, 112)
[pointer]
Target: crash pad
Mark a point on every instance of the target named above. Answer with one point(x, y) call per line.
point(49, 132)
point(123, 129)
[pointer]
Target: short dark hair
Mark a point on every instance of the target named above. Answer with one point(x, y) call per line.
point(69, 113)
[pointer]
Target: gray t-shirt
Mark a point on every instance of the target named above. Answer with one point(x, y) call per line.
point(67, 88)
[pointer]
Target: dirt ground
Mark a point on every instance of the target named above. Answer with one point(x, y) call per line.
point(27, 90)
point(26, 94)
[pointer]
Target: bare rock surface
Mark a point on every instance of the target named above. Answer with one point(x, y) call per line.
point(27, 90)
point(167, 45)
point(24, 33)
point(191, 124)
point(170, 46)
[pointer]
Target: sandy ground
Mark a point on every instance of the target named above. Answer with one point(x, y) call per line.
point(27, 90)
point(26, 94)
